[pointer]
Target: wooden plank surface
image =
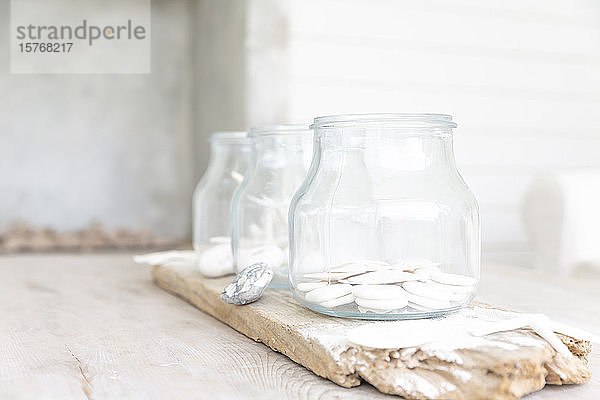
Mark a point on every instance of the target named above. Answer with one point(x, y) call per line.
point(94, 326)
point(505, 365)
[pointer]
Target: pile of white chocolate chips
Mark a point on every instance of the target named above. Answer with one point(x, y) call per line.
point(381, 287)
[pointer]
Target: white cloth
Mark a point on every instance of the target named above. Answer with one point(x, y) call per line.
point(463, 329)
point(164, 257)
point(214, 262)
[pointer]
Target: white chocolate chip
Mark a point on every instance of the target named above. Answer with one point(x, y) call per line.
point(378, 292)
point(425, 289)
point(428, 303)
point(307, 286)
point(329, 292)
point(349, 298)
point(387, 304)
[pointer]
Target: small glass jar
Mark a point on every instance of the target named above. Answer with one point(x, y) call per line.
point(259, 231)
point(228, 163)
point(384, 227)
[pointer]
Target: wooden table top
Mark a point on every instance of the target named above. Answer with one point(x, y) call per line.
point(94, 326)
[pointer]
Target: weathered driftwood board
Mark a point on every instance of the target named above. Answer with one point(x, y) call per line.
point(318, 343)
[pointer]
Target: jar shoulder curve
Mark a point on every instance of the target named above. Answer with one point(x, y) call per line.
point(467, 192)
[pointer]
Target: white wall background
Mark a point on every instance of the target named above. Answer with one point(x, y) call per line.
point(522, 79)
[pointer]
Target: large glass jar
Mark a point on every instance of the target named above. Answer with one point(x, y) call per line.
point(229, 161)
point(280, 158)
point(384, 227)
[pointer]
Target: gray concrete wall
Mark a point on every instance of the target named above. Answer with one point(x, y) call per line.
point(127, 150)
point(109, 148)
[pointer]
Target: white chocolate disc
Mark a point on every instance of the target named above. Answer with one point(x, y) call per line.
point(427, 303)
point(329, 292)
point(428, 290)
point(349, 298)
point(454, 279)
point(388, 304)
point(452, 288)
point(426, 272)
point(382, 277)
point(306, 286)
point(378, 292)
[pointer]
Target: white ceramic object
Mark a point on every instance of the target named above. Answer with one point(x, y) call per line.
point(329, 292)
point(378, 292)
point(382, 277)
point(453, 279)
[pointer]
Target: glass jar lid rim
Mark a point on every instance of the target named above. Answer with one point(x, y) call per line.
point(225, 135)
point(280, 129)
point(404, 120)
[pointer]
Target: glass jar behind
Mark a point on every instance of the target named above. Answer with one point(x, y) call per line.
point(384, 227)
point(228, 163)
point(259, 231)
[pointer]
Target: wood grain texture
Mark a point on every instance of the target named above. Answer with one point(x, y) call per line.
point(503, 368)
point(94, 326)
